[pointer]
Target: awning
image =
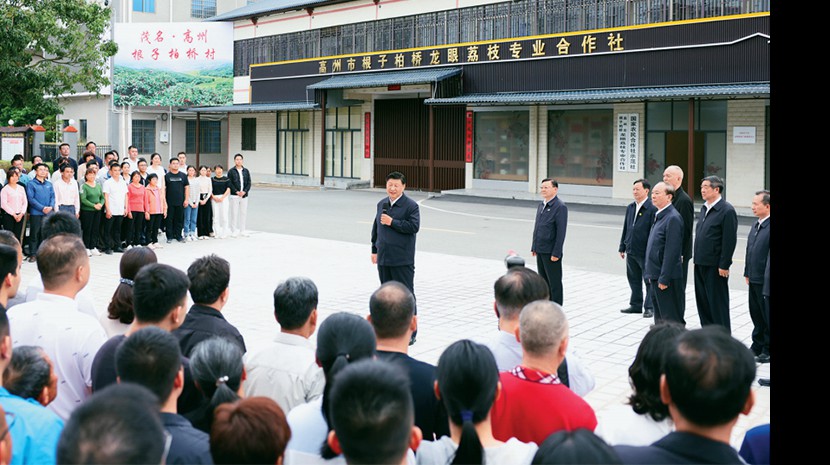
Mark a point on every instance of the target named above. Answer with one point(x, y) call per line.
point(256, 107)
point(749, 90)
point(386, 78)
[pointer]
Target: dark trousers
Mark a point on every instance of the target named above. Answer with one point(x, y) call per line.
point(204, 219)
point(175, 221)
point(634, 267)
point(16, 227)
point(552, 273)
point(35, 224)
point(112, 232)
point(136, 229)
point(153, 225)
point(67, 208)
point(90, 225)
point(126, 229)
point(667, 302)
point(712, 297)
point(760, 319)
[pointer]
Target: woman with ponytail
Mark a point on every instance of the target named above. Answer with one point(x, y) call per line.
point(216, 366)
point(343, 338)
point(467, 382)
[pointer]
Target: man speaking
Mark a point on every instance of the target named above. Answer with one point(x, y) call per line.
point(393, 233)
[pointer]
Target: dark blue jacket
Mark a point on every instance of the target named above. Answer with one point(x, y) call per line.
point(757, 250)
point(683, 204)
point(237, 184)
point(40, 195)
point(665, 243)
point(680, 448)
point(395, 244)
point(188, 445)
point(716, 236)
point(634, 237)
point(549, 230)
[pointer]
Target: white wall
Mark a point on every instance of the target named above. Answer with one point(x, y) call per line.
point(745, 163)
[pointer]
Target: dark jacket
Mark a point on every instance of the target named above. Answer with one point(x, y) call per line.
point(716, 236)
point(395, 244)
point(635, 233)
point(683, 204)
point(236, 184)
point(550, 227)
point(663, 261)
point(188, 444)
point(680, 448)
point(202, 323)
point(757, 250)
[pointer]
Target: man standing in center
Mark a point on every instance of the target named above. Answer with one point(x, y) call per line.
point(240, 179)
point(177, 192)
point(549, 237)
point(663, 265)
point(681, 201)
point(638, 219)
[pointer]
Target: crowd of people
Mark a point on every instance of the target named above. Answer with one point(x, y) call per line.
point(171, 384)
point(125, 203)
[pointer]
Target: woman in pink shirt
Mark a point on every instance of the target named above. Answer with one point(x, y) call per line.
point(155, 208)
point(135, 200)
point(13, 198)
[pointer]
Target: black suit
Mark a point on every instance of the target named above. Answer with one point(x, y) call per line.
point(395, 244)
point(548, 241)
point(716, 236)
point(664, 265)
point(633, 243)
point(680, 448)
point(684, 205)
point(757, 251)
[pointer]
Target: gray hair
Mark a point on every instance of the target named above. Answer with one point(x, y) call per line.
point(542, 327)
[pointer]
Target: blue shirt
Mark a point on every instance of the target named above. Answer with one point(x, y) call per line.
point(35, 431)
point(41, 194)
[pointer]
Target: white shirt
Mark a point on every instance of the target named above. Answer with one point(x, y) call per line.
point(160, 172)
point(710, 205)
point(66, 193)
point(69, 337)
point(86, 304)
point(442, 451)
point(133, 164)
point(308, 427)
point(116, 189)
point(286, 371)
point(620, 425)
point(508, 353)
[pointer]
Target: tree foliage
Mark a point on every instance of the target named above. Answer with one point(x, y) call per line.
point(49, 48)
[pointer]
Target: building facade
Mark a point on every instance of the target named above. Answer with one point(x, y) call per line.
point(494, 96)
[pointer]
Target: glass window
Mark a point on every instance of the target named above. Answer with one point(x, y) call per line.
point(83, 129)
point(344, 144)
point(202, 8)
point(292, 130)
point(501, 145)
point(248, 133)
point(712, 115)
point(144, 135)
point(680, 116)
point(659, 116)
point(581, 146)
point(210, 136)
point(144, 6)
point(656, 156)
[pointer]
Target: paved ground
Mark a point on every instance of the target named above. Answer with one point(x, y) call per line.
point(455, 300)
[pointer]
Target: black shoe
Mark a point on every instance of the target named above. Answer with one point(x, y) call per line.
point(107, 251)
point(118, 250)
point(763, 381)
point(763, 358)
point(648, 314)
point(181, 239)
point(631, 310)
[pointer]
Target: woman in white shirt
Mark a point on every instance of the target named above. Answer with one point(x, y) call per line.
point(156, 167)
point(467, 380)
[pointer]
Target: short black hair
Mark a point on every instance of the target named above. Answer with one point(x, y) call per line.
point(28, 372)
point(517, 288)
point(709, 375)
point(764, 196)
point(209, 277)
point(392, 307)
point(150, 357)
point(60, 222)
point(58, 257)
point(17, 157)
point(132, 147)
point(372, 413)
point(716, 182)
point(90, 142)
point(553, 182)
point(8, 238)
point(397, 175)
point(644, 182)
point(61, 145)
point(118, 424)
point(294, 300)
point(574, 447)
point(8, 261)
point(238, 155)
point(157, 290)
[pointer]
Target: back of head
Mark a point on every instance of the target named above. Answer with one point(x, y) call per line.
point(372, 412)
point(59, 257)
point(60, 222)
point(158, 289)
point(517, 288)
point(467, 378)
point(392, 307)
point(294, 300)
point(28, 371)
point(150, 357)
point(9, 262)
point(580, 446)
point(119, 424)
point(542, 327)
point(209, 277)
point(121, 306)
point(709, 375)
point(343, 338)
point(251, 431)
point(216, 366)
point(647, 367)
point(8, 238)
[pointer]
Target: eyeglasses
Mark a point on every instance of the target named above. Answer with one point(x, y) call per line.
point(10, 419)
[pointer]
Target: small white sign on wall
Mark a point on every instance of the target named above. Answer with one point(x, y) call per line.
point(628, 142)
point(743, 135)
